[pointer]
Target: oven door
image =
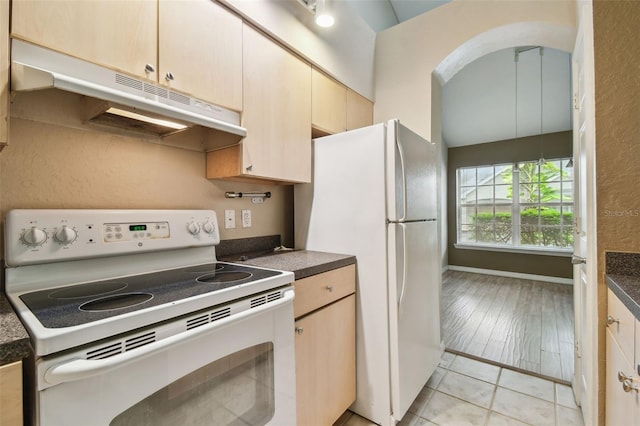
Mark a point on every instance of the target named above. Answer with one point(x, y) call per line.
point(236, 371)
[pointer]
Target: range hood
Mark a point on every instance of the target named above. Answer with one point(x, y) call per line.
point(116, 99)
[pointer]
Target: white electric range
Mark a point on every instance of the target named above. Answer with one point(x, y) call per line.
point(137, 296)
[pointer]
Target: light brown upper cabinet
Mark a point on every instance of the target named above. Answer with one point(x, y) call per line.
point(191, 46)
point(200, 45)
point(100, 31)
point(359, 111)
point(4, 74)
point(329, 105)
point(336, 108)
point(277, 116)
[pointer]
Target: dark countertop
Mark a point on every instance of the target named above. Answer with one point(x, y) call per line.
point(627, 288)
point(623, 278)
point(14, 339)
point(303, 263)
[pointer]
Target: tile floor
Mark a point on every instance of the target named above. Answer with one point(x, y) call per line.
point(463, 391)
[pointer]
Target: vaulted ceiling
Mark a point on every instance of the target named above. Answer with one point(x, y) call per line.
point(382, 14)
point(479, 103)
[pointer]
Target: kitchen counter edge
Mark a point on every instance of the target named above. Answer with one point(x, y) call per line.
point(627, 288)
point(14, 339)
point(303, 263)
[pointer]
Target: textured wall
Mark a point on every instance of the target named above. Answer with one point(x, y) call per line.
point(617, 72)
point(54, 166)
point(616, 36)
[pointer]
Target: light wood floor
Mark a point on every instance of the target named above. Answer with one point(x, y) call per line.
point(518, 323)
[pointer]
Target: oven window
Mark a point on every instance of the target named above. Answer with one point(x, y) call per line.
point(235, 390)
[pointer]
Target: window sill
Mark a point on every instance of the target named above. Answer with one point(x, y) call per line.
point(522, 250)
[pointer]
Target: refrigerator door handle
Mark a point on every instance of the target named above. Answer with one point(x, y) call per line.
point(401, 191)
point(403, 260)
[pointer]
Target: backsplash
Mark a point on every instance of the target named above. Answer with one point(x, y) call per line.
point(247, 245)
point(622, 263)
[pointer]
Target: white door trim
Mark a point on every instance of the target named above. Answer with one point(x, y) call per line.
point(585, 277)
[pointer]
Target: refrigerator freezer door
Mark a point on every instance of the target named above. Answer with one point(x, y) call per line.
point(411, 175)
point(414, 310)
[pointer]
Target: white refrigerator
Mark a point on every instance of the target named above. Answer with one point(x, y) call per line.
point(374, 195)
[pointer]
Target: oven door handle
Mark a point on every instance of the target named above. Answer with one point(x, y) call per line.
point(82, 368)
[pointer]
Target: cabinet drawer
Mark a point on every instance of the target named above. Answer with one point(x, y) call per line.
point(318, 290)
point(623, 327)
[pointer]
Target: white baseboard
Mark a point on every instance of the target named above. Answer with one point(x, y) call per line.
point(556, 280)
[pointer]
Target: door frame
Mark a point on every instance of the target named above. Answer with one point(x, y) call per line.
point(585, 382)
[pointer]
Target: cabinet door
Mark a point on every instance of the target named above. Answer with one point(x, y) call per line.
point(4, 74)
point(329, 105)
point(622, 408)
point(277, 111)
point(11, 394)
point(326, 363)
point(119, 35)
point(359, 111)
point(200, 45)
point(622, 324)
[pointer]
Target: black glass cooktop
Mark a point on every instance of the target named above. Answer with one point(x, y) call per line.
point(83, 303)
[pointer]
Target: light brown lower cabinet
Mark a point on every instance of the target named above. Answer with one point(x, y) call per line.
point(11, 394)
point(326, 348)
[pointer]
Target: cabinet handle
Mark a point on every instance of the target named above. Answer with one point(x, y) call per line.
point(329, 288)
point(611, 320)
point(169, 76)
point(149, 68)
point(623, 377)
point(299, 330)
point(628, 386)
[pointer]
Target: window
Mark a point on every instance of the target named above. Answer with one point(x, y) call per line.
point(521, 205)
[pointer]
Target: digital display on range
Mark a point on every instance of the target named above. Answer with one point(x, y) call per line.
point(137, 227)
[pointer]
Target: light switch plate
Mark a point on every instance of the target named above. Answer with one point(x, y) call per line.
point(246, 218)
point(229, 219)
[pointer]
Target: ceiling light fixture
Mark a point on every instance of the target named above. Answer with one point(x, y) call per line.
point(322, 11)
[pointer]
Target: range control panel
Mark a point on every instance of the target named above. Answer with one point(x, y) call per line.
point(43, 236)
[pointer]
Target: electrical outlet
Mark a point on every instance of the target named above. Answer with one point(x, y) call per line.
point(229, 219)
point(246, 218)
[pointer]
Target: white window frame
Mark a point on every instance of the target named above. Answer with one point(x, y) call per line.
point(516, 205)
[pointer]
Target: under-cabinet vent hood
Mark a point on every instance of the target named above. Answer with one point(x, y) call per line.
point(116, 99)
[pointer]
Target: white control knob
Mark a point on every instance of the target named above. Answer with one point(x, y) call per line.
point(209, 227)
point(66, 235)
point(193, 228)
point(34, 236)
